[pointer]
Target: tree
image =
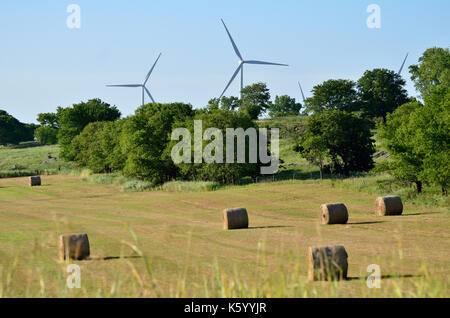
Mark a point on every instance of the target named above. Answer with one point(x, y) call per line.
point(314, 149)
point(433, 70)
point(47, 132)
point(431, 139)
point(48, 120)
point(46, 135)
point(73, 120)
point(333, 94)
point(346, 138)
point(396, 135)
point(381, 91)
point(12, 131)
point(222, 172)
point(98, 148)
point(284, 106)
point(255, 100)
point(145, 136)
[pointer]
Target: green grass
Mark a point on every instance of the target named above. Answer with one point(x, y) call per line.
point(28, 161)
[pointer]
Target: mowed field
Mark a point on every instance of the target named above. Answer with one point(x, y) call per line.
point(171, 244)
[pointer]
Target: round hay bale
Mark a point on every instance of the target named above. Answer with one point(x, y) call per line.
point(333, 213)
point(236, 218)
point(35, 181)
point(390, 205)
point(327, 263)
point(73, 246)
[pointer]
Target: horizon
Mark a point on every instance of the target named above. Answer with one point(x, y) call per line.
point(45, 64)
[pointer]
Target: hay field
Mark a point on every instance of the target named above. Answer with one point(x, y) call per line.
point(171, 244)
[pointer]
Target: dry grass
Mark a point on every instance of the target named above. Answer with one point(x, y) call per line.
point(177, 247)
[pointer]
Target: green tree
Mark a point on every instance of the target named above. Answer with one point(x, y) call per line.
point(98, 147)
point(225, 173)
point(255, 100)
point(431, 139)
point(46, 135)
point(433, 70)
point(12, 131)
point(145, 136)
point(284, 106)
point(397, 137)
point(73, 120)
point(381, 91)
point(346, 138)
point(47, 132)
point(48, 120)
point(314, 149)
point(333, 94)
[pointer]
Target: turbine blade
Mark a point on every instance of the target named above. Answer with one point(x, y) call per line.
point(403, 64)
point(264, 63)
point(301, 90)
point(231, 80)
point(126, 85)
point(148, 93)
point(232, 42)
point(151, 70)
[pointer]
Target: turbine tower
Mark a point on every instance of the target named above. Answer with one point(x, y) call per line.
point(403, 64)
point(301, 90)
point(144, 89)
point(241, 64)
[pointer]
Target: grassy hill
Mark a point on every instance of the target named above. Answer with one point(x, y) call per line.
point(30, 161)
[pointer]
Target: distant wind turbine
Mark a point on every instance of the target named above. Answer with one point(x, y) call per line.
point(144, 89)
point(403, 64)
point(241, 63)
point(301, 90)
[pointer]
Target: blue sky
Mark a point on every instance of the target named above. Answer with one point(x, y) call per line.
point(44, 64)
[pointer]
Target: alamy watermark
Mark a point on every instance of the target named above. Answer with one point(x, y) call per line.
point(374, 19)
point(374, 279)
point(74, 19)
point(214, 153)
point(74, 279)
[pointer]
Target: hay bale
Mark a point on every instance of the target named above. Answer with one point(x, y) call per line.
point(333, 213)
point(390, 205)
point(73, 246)
point(236, 218)
point(327, 263)
point(35, 181)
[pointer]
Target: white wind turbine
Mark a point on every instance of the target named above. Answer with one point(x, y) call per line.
point(144, 89)
point(301, 90)
point(241, 64)
point(403, 64)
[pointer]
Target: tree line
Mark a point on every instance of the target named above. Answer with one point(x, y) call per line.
point(338, 137)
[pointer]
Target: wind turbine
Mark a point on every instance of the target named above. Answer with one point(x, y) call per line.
point(241, 63)
point(403, 64)
point(301, 90)
point(144, 89)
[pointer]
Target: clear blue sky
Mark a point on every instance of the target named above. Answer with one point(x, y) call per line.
point(44, 64)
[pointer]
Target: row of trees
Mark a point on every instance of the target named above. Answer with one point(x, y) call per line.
point(93, 135)
point(377, 93)
point(416, 134)
point(12, 131)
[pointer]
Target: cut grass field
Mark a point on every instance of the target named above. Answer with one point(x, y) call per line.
point(171, 244)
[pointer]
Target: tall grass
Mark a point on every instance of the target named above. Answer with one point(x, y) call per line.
point(384, 184)
point(141, 280)
point(190, 186)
